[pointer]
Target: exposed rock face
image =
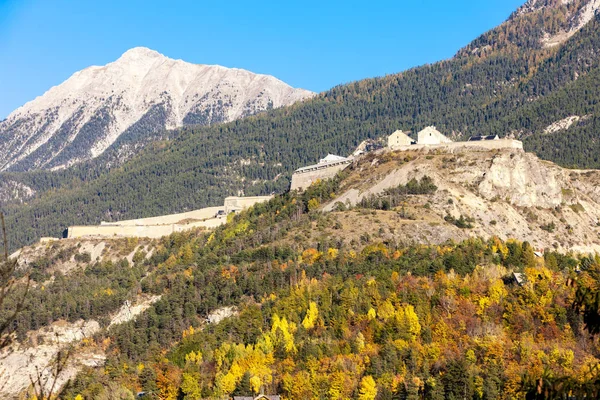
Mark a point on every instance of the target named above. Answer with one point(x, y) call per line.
point(563, 124)
point(129, 102)
point(507, 193)
point(523, 180)
point(128, 311)
point(220, 314)
point(11, 191)
point(21, 361)
point(40, 348)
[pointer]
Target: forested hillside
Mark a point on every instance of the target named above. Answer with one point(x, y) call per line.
point(507, 82)
point(326, 318)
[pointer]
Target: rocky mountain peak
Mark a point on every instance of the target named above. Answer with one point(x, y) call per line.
point(535, 5)
point(137, 53)
point(128, 103)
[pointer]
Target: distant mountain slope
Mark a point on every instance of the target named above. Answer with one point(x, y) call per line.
point(518, 87)
point(129, 101)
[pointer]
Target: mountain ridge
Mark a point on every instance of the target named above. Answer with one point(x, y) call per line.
point(82, 117)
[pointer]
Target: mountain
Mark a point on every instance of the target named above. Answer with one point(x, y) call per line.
point(130, 102)
point(541, 24)
point(403, 268)
point(506, 82)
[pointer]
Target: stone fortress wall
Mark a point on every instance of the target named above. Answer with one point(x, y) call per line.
point(201, 214)
point(327, 168)
point(301, 182)
point(156, 227)
point(474, 146)
point(149, 231)
point(431, 138)
point(234, 203)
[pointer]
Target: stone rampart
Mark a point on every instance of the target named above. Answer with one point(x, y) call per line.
point(234, 203)
point(202, 214)
point(149, 231)
point(483, 145)
point(302, 180)
point(156, 227)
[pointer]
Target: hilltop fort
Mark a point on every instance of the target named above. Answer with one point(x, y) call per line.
point(428, 138)
point(302, 178)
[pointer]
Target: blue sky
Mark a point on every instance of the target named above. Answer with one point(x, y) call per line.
point(309, 44)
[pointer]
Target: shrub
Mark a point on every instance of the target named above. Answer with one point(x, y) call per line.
point(548, 227)
point(462, 222)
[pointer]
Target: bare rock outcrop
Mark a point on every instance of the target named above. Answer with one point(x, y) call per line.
point(505, 193)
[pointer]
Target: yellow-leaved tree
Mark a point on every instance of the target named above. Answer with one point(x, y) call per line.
point(282, 333)
point(190, 386)
point(313, 204)
point(409, 320)
point(386, 310)
point(368, 388)
point(255, 384)
point(311, 316)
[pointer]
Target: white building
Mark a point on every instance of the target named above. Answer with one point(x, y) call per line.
point(430, 135)
point(399, 139)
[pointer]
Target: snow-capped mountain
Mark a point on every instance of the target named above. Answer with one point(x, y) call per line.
point(129, 102)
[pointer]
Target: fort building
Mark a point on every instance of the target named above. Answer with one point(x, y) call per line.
point(327, 168)
point(399, 139)
point(431, 135)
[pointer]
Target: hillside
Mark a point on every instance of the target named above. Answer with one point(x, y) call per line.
point(404, 289)
point(517, 87)
point(127, 103)
point(503, 193)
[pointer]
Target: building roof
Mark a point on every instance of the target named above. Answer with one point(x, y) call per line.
point(330, 158)
point(401, 132)
point(326, 162)
point(431, 131)
point(259, 397)
point(519, 278)
point(479, 138)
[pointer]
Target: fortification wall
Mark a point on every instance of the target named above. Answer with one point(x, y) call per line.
point(303, 180)
point(483, 145)
point(156, 227)
point(149, 231)
point(201, 214)
point(119, 231)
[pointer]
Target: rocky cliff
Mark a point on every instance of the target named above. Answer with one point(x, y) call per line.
point(505, 193)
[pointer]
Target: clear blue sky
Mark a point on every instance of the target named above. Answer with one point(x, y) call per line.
point(309, 44)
